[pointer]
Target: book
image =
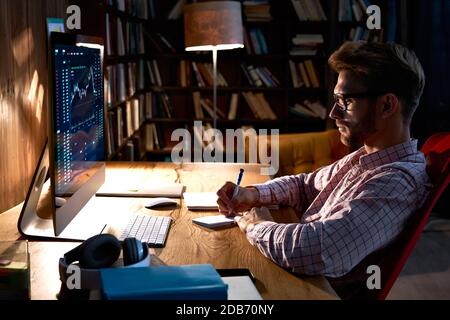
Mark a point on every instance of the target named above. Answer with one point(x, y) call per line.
point(233, 106)
point(312, 73)
point(201, 200)
point(303, 74)
point(264, 106)
point(208, 106)
point(254, 76)
point(252, 104)
point(185, 282)
point(197, 105)
point(120, 39)
point(214, 222)
point(294, 74)
point(177, 10)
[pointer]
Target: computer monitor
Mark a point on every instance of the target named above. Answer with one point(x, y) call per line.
point(78, 118)
point(73, 157)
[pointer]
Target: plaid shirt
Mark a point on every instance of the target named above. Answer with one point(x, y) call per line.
point(351, 208)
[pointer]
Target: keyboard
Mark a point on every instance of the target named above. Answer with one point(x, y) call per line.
point(150, 229)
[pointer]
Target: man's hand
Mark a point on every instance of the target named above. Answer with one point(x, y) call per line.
point(245, 199)
point(253, 217)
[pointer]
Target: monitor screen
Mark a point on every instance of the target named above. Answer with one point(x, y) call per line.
point(78, 124)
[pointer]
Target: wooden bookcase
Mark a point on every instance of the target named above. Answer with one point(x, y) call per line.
point(143, 34)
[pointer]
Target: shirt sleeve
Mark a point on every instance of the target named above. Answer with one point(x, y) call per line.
point(296, 191)
point(349, 231)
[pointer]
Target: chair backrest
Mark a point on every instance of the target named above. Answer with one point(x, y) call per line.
point(392, 258)
point(437, 153)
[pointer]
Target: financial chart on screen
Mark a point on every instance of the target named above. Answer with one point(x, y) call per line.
point(78, 114)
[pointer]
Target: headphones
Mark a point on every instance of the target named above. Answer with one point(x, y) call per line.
point(101, 251)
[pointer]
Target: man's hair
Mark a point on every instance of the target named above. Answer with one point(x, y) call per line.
point(383, 67)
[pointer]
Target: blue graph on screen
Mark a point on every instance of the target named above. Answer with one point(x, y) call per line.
point(83, 96)
point(80, 90)
point(79, 111)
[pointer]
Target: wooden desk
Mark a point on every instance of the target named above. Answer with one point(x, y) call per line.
point(187, 243)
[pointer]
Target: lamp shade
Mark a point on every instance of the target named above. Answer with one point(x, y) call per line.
point(213, 25)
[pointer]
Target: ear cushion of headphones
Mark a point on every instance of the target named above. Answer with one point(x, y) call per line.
point(133, 251)
point(100, 251)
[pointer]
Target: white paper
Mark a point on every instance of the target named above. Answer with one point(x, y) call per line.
point(201, 200)
point(241, 288)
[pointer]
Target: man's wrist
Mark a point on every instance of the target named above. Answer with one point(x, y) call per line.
point(254, 196)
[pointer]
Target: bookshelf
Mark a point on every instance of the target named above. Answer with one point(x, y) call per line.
point(280, 80)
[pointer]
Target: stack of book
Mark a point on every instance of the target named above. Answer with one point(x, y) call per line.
point(306, 44)
point(257, 10)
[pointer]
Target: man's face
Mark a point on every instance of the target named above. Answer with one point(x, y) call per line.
point(358, 122)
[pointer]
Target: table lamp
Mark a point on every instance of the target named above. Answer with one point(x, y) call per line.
point(213, 26)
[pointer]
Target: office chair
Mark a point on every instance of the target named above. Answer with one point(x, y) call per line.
point(392, 258)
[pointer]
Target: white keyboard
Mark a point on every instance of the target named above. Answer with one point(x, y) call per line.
point(150, 229)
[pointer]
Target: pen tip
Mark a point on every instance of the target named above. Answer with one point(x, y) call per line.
point(241, 170)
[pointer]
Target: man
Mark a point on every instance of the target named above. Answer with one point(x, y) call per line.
point(360, 203)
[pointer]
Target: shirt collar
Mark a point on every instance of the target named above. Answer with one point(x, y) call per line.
point(385, 156)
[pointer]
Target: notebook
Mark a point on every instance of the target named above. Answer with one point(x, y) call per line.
point(214, 222)
point(185, 282)
point(201, 200)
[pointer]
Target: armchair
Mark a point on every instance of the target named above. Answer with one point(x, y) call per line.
point(305, 152)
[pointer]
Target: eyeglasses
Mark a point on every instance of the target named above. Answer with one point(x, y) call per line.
point(340, 99)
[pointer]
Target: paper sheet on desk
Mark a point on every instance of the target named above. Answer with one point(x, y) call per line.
point(201, 200)
point(207, 201)
point(241, 288)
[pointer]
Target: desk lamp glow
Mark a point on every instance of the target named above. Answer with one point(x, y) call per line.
point(213, 26)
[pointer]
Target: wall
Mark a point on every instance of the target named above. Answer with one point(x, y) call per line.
point(23, 92)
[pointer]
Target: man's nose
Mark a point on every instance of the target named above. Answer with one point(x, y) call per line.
point(335, 112)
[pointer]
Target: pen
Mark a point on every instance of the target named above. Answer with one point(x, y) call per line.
point(236, 188)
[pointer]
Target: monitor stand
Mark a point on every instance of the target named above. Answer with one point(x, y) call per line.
point(39, 218)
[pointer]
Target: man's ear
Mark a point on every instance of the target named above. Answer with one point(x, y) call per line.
point(390, 105)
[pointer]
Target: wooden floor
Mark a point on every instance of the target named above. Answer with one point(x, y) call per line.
point(427, 272)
